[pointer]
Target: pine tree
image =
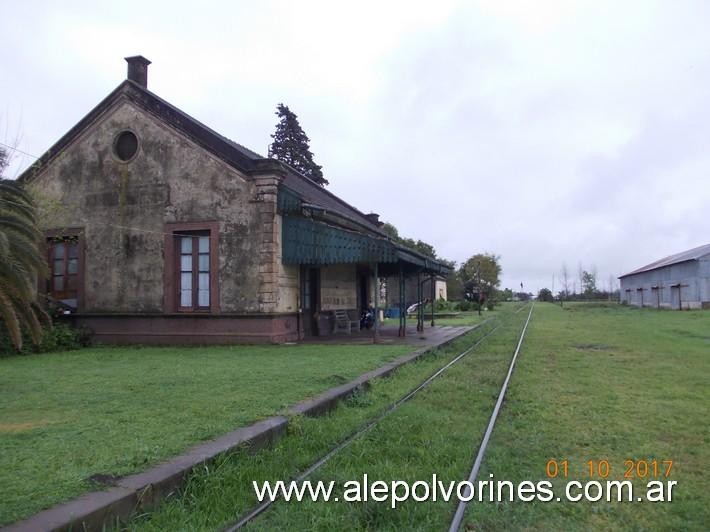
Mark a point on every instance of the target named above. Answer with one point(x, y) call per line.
point(291, 145)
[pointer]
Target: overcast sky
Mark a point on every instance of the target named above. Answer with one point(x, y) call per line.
point(547, 132)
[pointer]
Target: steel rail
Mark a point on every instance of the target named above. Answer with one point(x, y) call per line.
point(461, 509)
point(258, 510)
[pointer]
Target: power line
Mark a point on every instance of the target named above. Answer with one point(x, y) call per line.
point(13, 148)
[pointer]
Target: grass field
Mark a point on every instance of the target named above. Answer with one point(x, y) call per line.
point(611, 383)
point(593, 382)
point(67, 416)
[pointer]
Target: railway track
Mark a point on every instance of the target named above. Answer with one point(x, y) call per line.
point(461, 509)
point(392, 407)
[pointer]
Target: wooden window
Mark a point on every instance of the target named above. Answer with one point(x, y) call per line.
point(194, 271)
point(191, 281)
point(65, 271)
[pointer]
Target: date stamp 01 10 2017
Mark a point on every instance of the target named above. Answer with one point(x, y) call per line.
point(633, 469)
point(650, 471)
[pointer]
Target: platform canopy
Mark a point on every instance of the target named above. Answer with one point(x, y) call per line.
point(316, 235)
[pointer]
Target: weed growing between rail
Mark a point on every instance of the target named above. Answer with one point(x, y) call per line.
point(221, 493)
point(605, 383)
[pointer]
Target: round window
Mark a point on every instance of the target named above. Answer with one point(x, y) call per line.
point(126, 145)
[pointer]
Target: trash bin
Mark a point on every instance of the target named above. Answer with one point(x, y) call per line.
point(392, 312)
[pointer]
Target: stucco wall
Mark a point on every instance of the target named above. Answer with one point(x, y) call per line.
point(123, 208)
point(440, 287)
point(287, 300)
point(338, 287)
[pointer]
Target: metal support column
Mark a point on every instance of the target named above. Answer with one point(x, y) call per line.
point(404, 305)
point(432, 279)
point(377, 303)
point(420, 307)
point(401, 303)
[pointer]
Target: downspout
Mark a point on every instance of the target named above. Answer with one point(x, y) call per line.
point(299, 310)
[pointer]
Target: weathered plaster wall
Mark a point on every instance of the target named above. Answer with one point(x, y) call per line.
point(338, 287)
point(124, 206)
point(287, 275)
point(440, 288)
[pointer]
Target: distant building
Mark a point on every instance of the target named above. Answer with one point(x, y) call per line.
point(412, 294)
point(681, 281)
point(440, 288)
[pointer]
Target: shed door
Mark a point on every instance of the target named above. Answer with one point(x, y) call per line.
point(675, 297)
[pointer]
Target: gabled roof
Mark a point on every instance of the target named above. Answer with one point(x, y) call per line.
point(684, 256)
point(234, 154)
point(314, 194)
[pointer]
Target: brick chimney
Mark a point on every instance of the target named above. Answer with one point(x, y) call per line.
point(138, 70)
point(374, 218)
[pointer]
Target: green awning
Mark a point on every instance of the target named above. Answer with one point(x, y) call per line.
point(306, 241)
point(311, 241)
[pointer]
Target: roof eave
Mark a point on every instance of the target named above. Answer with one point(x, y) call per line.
point(646, 270)
point(242, 159)
point(69, 136)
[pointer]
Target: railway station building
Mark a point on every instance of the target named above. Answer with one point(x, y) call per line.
point(161, 230)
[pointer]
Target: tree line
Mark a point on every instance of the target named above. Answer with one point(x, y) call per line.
point(586, 280)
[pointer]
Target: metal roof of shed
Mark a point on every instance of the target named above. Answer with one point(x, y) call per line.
point(684, 256)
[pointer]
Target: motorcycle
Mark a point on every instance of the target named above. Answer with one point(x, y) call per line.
point(367, 318)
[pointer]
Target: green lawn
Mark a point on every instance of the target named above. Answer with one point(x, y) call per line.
point(67, 416)
point(598, 382)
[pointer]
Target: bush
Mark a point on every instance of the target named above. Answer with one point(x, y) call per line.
point(545, 295)
point(61, 337)
point(465, 306)
point(443, 305)
point(64, 337)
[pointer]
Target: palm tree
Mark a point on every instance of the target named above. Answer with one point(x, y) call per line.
point(21, 262)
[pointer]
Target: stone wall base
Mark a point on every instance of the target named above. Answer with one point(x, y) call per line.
point(192, 329)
